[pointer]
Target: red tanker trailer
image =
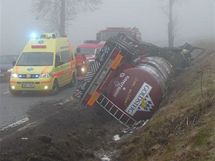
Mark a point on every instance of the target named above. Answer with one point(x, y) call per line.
point(129, 78)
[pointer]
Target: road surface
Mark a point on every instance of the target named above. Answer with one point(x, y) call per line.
point(14, 108)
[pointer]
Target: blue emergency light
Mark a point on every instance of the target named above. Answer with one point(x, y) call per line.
point(33, 35)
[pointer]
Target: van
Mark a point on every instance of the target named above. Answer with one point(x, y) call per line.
point(46, 64)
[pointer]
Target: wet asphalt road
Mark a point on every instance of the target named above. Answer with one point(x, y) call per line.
point(14, 108)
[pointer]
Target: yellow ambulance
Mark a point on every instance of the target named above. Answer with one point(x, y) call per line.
point(46, 64)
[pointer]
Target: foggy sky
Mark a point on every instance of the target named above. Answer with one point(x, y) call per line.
point(195, 20)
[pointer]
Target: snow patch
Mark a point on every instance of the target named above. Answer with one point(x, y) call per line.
point(116, 137)
point(105, 158)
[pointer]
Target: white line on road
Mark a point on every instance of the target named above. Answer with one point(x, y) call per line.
point(5, 93)
point(22, 121)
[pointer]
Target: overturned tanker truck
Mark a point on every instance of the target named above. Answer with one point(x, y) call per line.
point(129, 78)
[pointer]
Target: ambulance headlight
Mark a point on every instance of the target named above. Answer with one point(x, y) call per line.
point(14, 75)
point(13, 87)
point(45, 75)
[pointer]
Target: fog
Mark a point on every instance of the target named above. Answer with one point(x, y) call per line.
point(195, 21)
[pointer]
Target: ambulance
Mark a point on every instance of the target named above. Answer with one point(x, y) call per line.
point(46, 64)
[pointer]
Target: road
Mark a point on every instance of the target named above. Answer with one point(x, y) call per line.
point(14, 108)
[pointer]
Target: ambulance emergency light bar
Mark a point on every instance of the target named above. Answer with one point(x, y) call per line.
point(34, 35)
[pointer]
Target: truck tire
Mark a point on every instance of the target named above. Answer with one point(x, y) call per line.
point(55, 88)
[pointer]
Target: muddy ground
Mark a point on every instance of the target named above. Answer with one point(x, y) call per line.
point(60, 133)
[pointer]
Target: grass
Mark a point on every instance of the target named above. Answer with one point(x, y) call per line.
point(184, 129)
point(201, 138)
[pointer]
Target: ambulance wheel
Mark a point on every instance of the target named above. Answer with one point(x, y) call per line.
point(55, 87)
point(14, 93)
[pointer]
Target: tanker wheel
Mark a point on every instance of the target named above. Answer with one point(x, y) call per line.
point(55, 87)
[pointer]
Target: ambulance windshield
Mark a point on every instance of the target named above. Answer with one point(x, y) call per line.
point(35, 59)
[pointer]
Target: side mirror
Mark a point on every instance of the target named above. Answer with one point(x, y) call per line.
point(58, 64)
point(61, 63)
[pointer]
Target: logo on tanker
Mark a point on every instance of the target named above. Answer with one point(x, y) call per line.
point(142, 101)
point(120, 84)
point(122, 75)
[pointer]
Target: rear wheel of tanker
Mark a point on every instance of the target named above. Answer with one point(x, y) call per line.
point(55, 87)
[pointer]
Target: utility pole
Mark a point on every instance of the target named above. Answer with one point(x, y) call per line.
point(171, 25)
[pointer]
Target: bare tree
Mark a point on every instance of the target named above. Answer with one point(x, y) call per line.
point(58, 12)
point(169, 12)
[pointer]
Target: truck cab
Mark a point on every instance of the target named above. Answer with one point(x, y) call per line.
point(45, 64)
point(85, 54)
point(109, 32)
